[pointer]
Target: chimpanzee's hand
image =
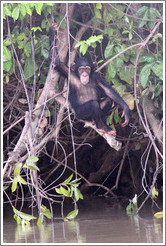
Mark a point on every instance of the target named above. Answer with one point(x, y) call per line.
point(126, 114)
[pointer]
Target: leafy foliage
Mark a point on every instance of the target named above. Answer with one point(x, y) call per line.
point(22, 218)
point(69, 188)
point(31, 163)
point(87, 43)
point(17, 177)
point(148, 13)
point(158, 215)
point(71, 215)
point(132, 207)
point(45, 212)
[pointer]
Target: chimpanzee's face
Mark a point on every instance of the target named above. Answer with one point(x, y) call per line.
point(84, 73)
point(83, 69)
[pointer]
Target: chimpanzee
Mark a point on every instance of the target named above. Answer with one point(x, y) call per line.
point(89, 94)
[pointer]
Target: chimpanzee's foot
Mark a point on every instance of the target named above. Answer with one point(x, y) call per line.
point(111, 132)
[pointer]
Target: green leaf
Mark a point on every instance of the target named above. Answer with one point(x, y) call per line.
point(145, 92)
point(15, 13)
point(97, 13)
point(43, 24)
point(130, 35)
point(7, 65)
point(46, 212)
point(71, 191)
point(32, 159)
point(77, 194)
point(7, 78)
point(98, 6)
point(75, 181)
point(27, 50)
point(153, 14)
point(117, 14)
point(68, 180)
point(110, 121)
point(14, 184)
point(72, 215)
point(111, 71)
point(22, 215)
point(154, 193)
point(159, 215)
point(109, 31)
point(18, 219)
point(142, 11)
point(6, 54)
point(7, 11)
point(22, 37)
point(158, 90)
point(38, 7)
point(44, 52)
point(127, 74)
point(116, 116)
point(108, 51)
point(94, 39)
point(107, 16)
point(28, 9)
point(83, 49)
point(21, 180)
point(28, 68)
point(132, 207)
point(58, 191)
point(148, 57)
point(36, 28)
point(158, 70)
point(23, 10)
point(126, 19)
point(144, 74)
point(17, 169)
point(129, 100)
point(79, 44)
point(5, 187)
point(7, 42)
point(40, 220)
point(32, 166)
point(144, 14)
point(64, 192)
point(30, 163)
point(125, 32)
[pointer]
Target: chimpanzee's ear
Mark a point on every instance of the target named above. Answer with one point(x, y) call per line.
point(72, 66)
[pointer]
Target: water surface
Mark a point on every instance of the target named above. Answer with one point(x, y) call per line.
point(99, 221)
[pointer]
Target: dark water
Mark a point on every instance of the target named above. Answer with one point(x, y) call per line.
point(99, 221)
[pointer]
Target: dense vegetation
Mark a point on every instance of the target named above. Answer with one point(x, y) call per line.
point(44, 144)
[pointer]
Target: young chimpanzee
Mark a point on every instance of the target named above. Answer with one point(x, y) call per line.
point(85, 91)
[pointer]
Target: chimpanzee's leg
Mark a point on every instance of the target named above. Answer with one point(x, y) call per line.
point(92, 111)
point(106, 105)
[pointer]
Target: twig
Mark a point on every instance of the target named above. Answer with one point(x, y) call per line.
point(141, 45)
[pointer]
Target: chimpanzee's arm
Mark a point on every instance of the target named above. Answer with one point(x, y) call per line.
point(110, 92)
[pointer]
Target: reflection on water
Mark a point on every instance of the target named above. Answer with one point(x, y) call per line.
point(99, 221)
